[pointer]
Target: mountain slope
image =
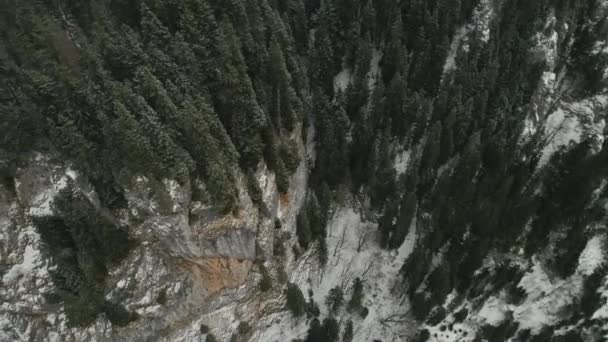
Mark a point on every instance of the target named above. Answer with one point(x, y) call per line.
point(303, 170)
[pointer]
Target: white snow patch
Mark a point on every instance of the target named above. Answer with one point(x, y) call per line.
point(31, 260)
point(352, 253)
point(401, 162)
point(493, 311)
point(544, 301)
point(342, 80)
point(42, 202)
point(592, 256)
point(73, 174)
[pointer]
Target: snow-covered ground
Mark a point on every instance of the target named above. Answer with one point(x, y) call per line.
point(342, 80)
point(352, 252)
point(546, 298)
point(401, 162)
point(572, 122)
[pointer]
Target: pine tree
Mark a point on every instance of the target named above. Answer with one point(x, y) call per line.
point(432, 148)
point(440, 282)
point(265, 283)
point(153, 31)
point(348, 334)
point(331, 330)
point(295, 300)
point(282, 108)
point(134, 146)
point(334, 299)
point(239, 110)
point(396, 55)
point(303, 229)
point(356, 299)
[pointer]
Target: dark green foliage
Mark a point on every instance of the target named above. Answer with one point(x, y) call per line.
point(244, 328)
point(303, 229)
point(364, 312)
point(436, 316)
point(312, 219)
point(322, 252)
point(347, 335)
point(118, 315)
point(204, 329)
point(439, 282)
point(334, 299)
point(570, 336)
point(295, 300)
point(331, 329)
point(356, 299)
point(162, 297)
point(332, 150)
point(312, 309)
point(210, 338)
point(159, 89)
point(422, 336)
point(253, 188)
point(461, 315)
point(328, 332)
point(421, 306)
point(414, 269)
point(279, 243)
point(315, 332)
point(265, 283)
point(500, 333)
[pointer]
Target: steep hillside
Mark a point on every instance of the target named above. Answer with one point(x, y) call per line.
point(314, 171)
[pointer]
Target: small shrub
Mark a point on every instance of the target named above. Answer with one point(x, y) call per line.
point(265, 283)
point(436, 316)
point(244, 328)
point(162, 297)
point(118, 314)
point(461, 315)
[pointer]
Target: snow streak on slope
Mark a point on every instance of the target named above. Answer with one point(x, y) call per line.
point(450, 62)
point(352, 253)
